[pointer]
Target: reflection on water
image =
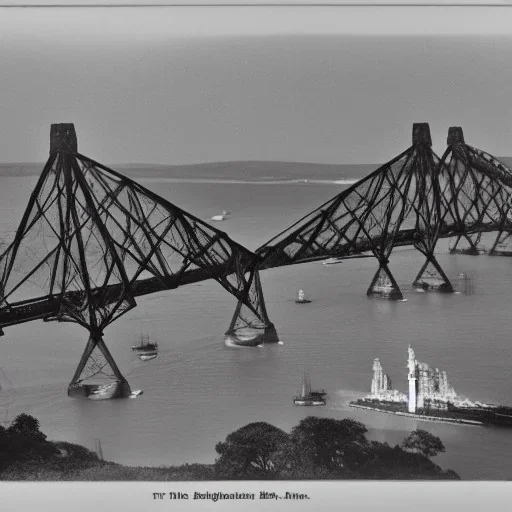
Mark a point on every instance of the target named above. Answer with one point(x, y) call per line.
point(465, 284)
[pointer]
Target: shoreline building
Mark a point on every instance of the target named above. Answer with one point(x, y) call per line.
point(428, 388)
point(381, 386)
point(381, 381)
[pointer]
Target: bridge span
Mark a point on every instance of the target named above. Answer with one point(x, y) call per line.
point(91, 240)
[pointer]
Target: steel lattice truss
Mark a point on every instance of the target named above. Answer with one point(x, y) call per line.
point(414, 199)
point(250, 324)
point(477, 198)
point(91, 240)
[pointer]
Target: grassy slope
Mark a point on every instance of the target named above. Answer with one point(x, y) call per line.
point(62, 461)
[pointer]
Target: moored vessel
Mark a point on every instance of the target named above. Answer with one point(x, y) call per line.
point(301, 298)
point(145, 346)
point(148, 356)
point(308, 397)
point(223, 216)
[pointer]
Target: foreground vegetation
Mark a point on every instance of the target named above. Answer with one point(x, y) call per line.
point(317, 448)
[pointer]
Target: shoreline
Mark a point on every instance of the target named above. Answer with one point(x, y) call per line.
point(216, 180)
point(422, 417)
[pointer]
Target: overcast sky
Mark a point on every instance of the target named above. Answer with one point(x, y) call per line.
point(197, 85)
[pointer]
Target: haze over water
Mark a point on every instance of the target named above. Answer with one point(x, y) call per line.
point(197, 391)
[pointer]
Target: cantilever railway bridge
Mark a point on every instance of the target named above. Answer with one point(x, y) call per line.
point(91, 241)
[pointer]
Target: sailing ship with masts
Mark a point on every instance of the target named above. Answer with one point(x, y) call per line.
point(146, 349)
point(308, 396)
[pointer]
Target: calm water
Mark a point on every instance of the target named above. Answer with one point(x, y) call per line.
point(198, 390)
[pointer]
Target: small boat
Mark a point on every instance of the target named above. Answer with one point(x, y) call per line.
point(332, 261)
point(223, 216)
point(149, 356)
point(301, 298)
point(307, 396)
point(145, 346)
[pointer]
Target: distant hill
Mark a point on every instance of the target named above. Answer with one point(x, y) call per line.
point(218, 170)
point(21, 169)
point(250, 170)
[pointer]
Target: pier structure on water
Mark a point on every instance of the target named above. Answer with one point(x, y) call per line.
point(430, 397)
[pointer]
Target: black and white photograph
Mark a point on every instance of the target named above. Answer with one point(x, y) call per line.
point(250, 249)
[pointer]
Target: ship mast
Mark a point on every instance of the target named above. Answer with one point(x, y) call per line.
point(306, 385)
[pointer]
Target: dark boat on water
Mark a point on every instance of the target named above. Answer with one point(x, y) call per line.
point(145, 345)
point(146, 349)
point(309, 397)
point(301, 298)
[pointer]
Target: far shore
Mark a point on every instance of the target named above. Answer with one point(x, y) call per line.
point(251, 170)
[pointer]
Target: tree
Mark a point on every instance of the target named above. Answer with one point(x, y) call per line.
point(26, 425)
point(250, 450)
point(23, 441)
point(327, 447)
point(423, 442)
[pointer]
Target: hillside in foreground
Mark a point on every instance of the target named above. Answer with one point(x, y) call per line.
point(317, 449)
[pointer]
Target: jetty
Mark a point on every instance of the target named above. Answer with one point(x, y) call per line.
point(429, 398)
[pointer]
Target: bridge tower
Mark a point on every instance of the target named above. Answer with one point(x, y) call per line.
point(90, 241)
point(97, 374)
point(478, 192)
point(431, 217)
point(250, 325)
point(411, 213)
point(398, 204)
point(464, 243)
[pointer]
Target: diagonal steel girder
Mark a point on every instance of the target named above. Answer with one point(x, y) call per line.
point(414, 199)
point(478, 194)
point(91, 241)
point(398, 204)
